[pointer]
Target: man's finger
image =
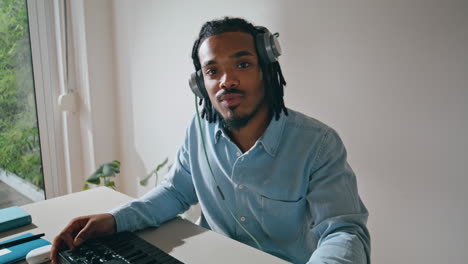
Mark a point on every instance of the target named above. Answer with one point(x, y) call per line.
point(55, 248)
point(68, 239)
point(83, 235)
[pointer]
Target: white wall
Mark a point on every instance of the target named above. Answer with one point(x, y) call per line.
point(391, 77)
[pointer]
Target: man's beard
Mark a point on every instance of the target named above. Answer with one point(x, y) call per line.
point(238, 122)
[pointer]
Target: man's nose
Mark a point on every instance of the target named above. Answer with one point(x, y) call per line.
point(229, 80)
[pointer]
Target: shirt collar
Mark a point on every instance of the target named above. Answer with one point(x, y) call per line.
point(269, 140)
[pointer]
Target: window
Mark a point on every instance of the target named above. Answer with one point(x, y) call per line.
point(21, 174)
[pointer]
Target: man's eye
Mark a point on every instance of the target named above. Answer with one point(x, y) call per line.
point(243, 65)
point(211, 71)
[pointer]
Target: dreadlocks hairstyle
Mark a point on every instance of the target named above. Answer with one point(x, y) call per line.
point(273, 77)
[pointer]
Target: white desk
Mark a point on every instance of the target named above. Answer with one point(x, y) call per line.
point(182, 239)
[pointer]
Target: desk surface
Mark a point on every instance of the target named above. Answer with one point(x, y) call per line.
point(182, 239)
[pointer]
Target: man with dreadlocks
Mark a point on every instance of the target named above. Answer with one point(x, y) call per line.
point(263, 174)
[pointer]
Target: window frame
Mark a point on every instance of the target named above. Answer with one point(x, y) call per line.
point(47, 89)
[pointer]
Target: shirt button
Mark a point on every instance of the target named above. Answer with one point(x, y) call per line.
point(242, 219)
point(241, 186)
point(238, 154)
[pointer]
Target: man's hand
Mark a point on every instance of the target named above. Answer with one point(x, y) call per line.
point(81, 229)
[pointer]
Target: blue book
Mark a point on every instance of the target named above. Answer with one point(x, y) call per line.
point(19, 252)
point(13, 217)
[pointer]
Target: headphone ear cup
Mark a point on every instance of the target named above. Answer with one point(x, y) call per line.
point(268, 46)
point(197, 84)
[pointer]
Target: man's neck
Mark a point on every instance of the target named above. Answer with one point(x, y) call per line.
point(246, 137)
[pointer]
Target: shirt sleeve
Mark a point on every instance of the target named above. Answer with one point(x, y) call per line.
point(173, 196)
point(338, 213)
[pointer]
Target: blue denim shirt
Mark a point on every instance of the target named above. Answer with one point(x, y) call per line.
point(293, 191)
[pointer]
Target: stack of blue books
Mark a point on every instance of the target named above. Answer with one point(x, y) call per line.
point(11, 218)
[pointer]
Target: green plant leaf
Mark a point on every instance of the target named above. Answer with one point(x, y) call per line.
point(162, 164)
point(86, 187)
point(111, 184)
point(94, 178)
point(107, 170)
point(114, 164)
point(111, 168)
point(154, 172)
point(144, 182)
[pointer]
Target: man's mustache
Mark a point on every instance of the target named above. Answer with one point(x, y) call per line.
point(228, 91)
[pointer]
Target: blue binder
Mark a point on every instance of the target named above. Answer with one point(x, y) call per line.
point(19, 252)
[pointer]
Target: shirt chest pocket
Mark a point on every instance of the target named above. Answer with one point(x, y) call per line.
point(283, 220)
